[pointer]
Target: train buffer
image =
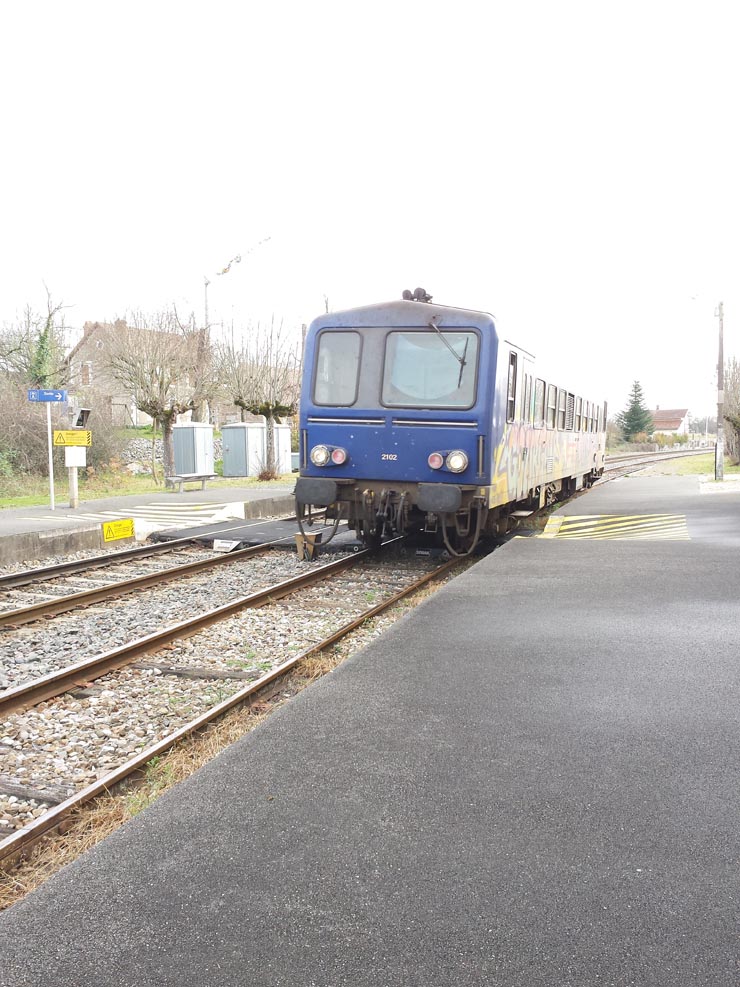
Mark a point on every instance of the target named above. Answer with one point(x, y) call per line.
point(180, 478)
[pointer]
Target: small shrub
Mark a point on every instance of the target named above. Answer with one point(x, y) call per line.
point(267, 474)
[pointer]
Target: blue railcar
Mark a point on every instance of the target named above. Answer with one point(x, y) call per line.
point(420, 417)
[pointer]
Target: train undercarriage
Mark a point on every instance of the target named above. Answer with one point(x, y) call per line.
point(454, 518)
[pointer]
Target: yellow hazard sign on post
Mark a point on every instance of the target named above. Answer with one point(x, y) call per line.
point(73, 437)
point(123, 528)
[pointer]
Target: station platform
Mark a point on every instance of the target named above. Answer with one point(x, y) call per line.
point(528, 781)
point(29, 534)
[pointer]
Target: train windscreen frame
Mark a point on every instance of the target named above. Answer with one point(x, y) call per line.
point(430, 369)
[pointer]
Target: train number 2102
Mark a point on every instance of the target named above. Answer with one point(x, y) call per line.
point(389, 455)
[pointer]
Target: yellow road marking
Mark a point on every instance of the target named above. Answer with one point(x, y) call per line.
point(667, 527)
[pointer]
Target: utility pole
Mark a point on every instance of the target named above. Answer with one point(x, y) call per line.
point(719, 450)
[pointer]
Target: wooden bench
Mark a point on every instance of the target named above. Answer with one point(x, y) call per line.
point(181, 478)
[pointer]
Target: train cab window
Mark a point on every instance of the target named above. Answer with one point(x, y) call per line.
point(434, 369)
point(561, 409)
point(539, 403)
point(552, 405)
point(511, 392)
point(337, 367)
point(577, 420)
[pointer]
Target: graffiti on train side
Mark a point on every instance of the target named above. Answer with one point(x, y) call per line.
point(528, 457)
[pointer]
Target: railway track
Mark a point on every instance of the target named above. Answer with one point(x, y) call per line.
point(622, 465)
point(301, 614)
point(178, 547)
point(53, 604)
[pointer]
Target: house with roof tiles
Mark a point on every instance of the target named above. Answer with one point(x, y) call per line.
point(671, 421)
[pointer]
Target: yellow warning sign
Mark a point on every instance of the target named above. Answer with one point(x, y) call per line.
point(76, 437)
point(123, 528)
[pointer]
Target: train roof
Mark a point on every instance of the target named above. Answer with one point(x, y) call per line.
point(405, 313)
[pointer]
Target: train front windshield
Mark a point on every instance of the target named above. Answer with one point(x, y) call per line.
point(430, 369)
point(417, 368)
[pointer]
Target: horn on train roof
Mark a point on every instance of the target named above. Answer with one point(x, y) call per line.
point(418, 295)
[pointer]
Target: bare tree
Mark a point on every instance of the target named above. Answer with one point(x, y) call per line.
point(262, 378)
point(32, 351)
point(156, 359)
point(732, 409)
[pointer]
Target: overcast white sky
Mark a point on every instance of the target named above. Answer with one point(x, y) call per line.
point(572, 167)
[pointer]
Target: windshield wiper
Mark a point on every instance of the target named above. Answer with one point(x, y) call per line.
point(462, 362)
point(460, 359)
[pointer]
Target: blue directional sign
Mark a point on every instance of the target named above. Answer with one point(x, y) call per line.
point(46, 395)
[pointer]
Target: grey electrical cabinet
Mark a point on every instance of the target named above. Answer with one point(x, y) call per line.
point(193, 443)
point(283, 460)
point(243, 448)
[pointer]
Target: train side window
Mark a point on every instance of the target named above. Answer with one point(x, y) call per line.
point(527, 409)
point(511, 396)
point(577, 421)
point(337, 368)
point(585, 416)
point(539, 403)
point(569, 411)
point(552, 405)
point(561, 409)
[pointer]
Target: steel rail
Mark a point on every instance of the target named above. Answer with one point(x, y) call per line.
point(85, 598)
point(48, 686)
point(12, 580)
point(656, 456)
point(15, 846)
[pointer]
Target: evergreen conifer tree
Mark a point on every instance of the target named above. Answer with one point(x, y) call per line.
point(635, 418)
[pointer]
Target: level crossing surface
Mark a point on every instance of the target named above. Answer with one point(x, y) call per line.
point(33, 533)
point(529, 780)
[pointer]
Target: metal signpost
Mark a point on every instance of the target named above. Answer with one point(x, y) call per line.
point(75, 457)
point(48, 397)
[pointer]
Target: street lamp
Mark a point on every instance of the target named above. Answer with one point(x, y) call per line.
point(225, 270)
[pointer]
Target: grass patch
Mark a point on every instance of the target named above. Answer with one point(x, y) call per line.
point(33, 491)
point(691, 466)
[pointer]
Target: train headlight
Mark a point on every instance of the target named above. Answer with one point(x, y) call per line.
point(338, 456)
point(320, 455)
point(457, 461)
point(436, 460)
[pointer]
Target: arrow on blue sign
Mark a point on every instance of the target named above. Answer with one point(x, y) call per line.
point(46, 395)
